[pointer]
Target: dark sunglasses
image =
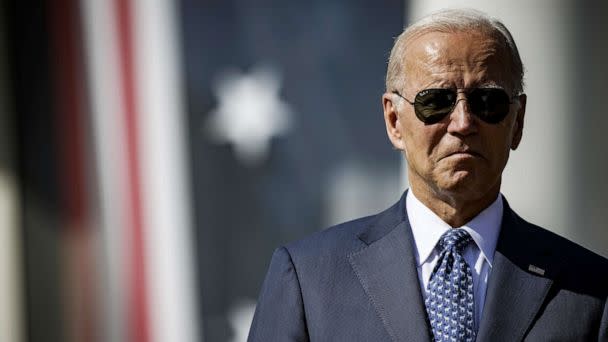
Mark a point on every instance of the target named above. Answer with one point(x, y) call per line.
point(489, 104)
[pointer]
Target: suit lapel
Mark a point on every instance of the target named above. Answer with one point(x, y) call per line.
point(386, 269)
point(518, 284)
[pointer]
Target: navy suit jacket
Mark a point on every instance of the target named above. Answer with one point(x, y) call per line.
point(358, 282)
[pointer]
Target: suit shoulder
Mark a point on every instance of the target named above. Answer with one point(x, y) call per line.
point(578, 265)
point(350, 236)
point(339, 238)
point(568, 251)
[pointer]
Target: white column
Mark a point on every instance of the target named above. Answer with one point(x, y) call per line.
point(588, 122)
point(105, 94)
point(165, 173)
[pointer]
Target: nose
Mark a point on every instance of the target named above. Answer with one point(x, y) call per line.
point(462, 121)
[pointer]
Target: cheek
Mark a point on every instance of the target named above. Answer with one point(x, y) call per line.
point(421, 146)
point(412, 146)
point(498, 144)
point(421, 142)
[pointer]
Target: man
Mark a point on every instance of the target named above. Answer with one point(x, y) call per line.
point(450, 261)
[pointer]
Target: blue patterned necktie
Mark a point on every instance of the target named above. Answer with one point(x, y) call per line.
point(450, 303)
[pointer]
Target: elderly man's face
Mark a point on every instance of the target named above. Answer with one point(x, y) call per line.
point(460, 155)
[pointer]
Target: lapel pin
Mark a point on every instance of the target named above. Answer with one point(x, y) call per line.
point(536, 269)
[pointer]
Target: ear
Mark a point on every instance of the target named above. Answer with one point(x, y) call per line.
point(519, 122)
point(391, 120)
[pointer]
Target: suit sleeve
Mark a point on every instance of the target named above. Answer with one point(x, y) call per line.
point(279, 314)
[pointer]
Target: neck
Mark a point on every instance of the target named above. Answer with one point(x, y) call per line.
point(454, 208)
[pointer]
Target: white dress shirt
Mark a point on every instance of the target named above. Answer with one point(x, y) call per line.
point(427, 228)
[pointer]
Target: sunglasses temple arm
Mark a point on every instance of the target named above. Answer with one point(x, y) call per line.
point(401, 96)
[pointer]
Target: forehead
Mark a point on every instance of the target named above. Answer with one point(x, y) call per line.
point(456, 59)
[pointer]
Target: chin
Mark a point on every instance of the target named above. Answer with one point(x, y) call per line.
point(461, 182)
point(468, 184)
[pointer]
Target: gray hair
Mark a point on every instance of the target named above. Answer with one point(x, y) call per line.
point(450, 21)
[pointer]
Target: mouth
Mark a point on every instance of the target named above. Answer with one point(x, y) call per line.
point(467, 153)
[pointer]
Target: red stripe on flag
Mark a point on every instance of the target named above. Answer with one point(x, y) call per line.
point(70, 96)
point(69, 80)
point(138, 308)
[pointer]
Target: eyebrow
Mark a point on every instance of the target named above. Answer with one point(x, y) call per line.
point(492, 85)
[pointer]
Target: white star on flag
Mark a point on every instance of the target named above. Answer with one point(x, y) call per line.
point(249, 113)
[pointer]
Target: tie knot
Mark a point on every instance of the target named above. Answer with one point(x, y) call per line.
point(454, 238)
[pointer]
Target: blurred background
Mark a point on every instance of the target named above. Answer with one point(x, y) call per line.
point(154, 153)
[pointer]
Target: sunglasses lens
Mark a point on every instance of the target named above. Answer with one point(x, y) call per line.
point(490, 105)
point(432, 105)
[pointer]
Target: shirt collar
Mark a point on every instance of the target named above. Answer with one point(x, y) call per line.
point(427, 228)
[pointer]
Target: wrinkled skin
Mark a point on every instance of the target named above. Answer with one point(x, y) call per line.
point(455, 165)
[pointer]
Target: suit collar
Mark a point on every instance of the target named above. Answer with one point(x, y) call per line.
point(385, 222)
point(519, 283)
point(386, 268)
